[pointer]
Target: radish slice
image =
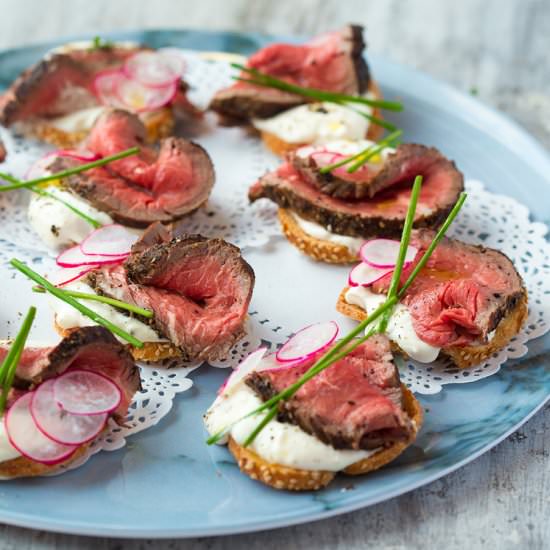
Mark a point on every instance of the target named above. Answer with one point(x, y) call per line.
point(249, 364)
point(83, 392)
point(384, 252)
point(74, 257)
point(308, 341)
point(69, 274)
point(105, 87)
point(325, 158)
point(364, 274)
point(84, 156)
point(41, 166)
point(59, 425)
point(109, 240)
point(140, 98)
point(25, 436)
point(155, 69)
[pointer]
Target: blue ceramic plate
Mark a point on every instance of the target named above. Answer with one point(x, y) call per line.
point(168, 483)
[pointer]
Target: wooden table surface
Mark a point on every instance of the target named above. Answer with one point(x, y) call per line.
point(500, 49)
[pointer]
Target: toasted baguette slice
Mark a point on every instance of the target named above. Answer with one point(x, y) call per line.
point(322, 251)
point(279, 146)
point(294, 479)
point(159, 124)
point(461, 356)
point(153, 352)
point(25, 467)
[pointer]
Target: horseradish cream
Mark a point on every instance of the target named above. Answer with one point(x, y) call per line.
point(316, 123)
point(67, 317)
point(78, 121)
point(400, 328)
point(353, 244)
point(56, 224)
point(279, 442)
point(347, 147)
point(7, 450)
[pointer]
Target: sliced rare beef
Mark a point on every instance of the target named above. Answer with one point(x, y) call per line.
point(89, 348)
point(332, 62)
point(148, 187)
point(198, 289)
point(2, 151)
point(403, 165)
point(380, 216)
point(462, 294)
point(62, 83)
point(356, 403)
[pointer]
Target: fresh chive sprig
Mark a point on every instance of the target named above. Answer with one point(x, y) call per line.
point(68, 172)
point(9, 365)
point(103, 299)
point(365, 155)
point(350, 342)
point(62, 295)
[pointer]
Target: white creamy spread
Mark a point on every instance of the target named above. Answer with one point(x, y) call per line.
point(279, 442)
point(353, 244)
point(68, 317)
point(347, 147)
point(57, 225)
point(317, 123)
point(78, 121)
point(7, 451)
point(400, 328)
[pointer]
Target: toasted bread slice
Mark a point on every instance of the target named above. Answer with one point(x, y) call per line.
point(153, 352)
point(295, 479)
point(461, 356)
point(279, 146)
point(25, 467)
point(322, 251)
point(159, 124)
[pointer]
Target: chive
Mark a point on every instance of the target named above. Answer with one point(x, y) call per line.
point(382, 144)
point(103, 299)
point(386, 141)
point(9, 365)
point(268, 81)
point(69, 171)
point(59, 293)
point(94, 223)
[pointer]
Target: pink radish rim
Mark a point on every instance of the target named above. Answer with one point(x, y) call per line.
point(383, 272)
point(82, 245)
point(236, 370)
point(132, 73)
point(79, 275)
point(97, 91)
point(58, 460)
point(106, 259)
point(93, 373)
point(365, 259)
point(151, 105)
point(311, 353)
point(55, 439)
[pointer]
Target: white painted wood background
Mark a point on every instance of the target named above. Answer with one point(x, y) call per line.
point(499, 47)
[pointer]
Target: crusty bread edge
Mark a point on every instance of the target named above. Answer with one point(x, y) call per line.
point(159, 124)
point(280, 147)
point(322, 251)
point(25, 467)
point(461, 356)
point(150, 352)
point(296, 479)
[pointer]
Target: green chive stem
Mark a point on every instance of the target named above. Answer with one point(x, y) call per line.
point(59, 293)
point(9, 365)
point(69, 171)
point(103, 299)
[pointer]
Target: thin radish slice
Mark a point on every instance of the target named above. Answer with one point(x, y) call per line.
point(59, 425)
point(325, 158)
point(83, 155)
point(67, 275)
point(83, 392)
point(308, 341)
point(109, 240)
point(249, 364)
point(105, 87)
point(154, 69)
point(41, 166)
point(140, 98)
point(365, 275)
point(74, 257)
point(384, 252)
point(271, 363)
point(25, 436)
